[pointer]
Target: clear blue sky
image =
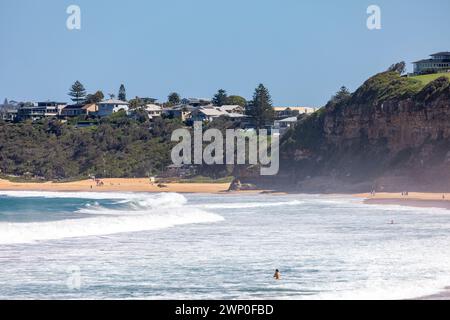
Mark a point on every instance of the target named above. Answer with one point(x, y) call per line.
point(303, 51)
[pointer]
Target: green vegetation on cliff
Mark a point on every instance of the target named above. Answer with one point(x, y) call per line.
point(427, 78)
point(385, 86)
point(116, 147)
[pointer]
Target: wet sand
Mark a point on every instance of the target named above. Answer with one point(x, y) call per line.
point(413, 199)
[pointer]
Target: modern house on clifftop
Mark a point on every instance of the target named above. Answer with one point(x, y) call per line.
point(439, 62)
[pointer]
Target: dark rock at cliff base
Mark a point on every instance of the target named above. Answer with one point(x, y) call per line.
point(236, 185)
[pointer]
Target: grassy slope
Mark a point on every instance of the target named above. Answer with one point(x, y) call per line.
point(426, 79)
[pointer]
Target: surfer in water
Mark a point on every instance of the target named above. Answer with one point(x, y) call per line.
point(277, 275)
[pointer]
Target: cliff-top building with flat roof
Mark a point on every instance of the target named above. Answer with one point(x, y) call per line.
point(439, 62)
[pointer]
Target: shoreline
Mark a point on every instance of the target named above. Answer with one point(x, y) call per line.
point(414, 199)
point(116, 185)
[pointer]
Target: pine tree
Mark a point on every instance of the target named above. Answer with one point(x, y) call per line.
point(400, 67)
point(122, 93)
point(342, 95)
point(174, 98)
point(77, 92)
point(220, 98)
point(261, 107)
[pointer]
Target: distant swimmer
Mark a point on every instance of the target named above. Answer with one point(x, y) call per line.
point(392, 222)
point(277, 275)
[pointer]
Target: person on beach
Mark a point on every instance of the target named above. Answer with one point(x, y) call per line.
point(277, 275)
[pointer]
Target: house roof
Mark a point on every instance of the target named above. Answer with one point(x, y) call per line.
point(153, 107)
point(424, 60)
point(183, 106)
point(211, 112)
point(114, 101)
point(48, 102)
point(290, 119)
point(432, 60)
point(74, 106)
point(443, 53)
point(302, 109)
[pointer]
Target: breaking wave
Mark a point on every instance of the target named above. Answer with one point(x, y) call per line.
point(131, 213)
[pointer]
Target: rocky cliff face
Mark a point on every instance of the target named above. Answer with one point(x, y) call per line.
point(392, 134)
point(407, 123)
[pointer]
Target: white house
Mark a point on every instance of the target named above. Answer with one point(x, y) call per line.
point(182, 111)
point(108, 107)
point(284, 112)
point(439, 62)
point(284, 124)
point(153, 110)
point(206, 114)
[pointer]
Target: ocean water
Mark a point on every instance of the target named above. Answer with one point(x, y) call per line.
point(172, 246)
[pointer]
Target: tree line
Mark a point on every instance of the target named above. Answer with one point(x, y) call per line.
point(260, 108)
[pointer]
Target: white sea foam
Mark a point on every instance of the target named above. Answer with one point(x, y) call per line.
point(244, 205)
point(140, 212)
point(71, 195)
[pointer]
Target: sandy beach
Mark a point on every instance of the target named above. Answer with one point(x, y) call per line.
point(113, 184)
point(414, 199)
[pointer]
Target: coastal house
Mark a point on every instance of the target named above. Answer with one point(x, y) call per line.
point(108, 107)
point(8, 110)
point(439, 62)
point(182, 112)
point(284, 125)
point(79, 110)
point(153, 110)
point(7, 114)
point(39, 110)
point(206, 114)
point(285, 112)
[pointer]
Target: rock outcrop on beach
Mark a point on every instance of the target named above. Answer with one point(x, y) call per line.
point(392, 134)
